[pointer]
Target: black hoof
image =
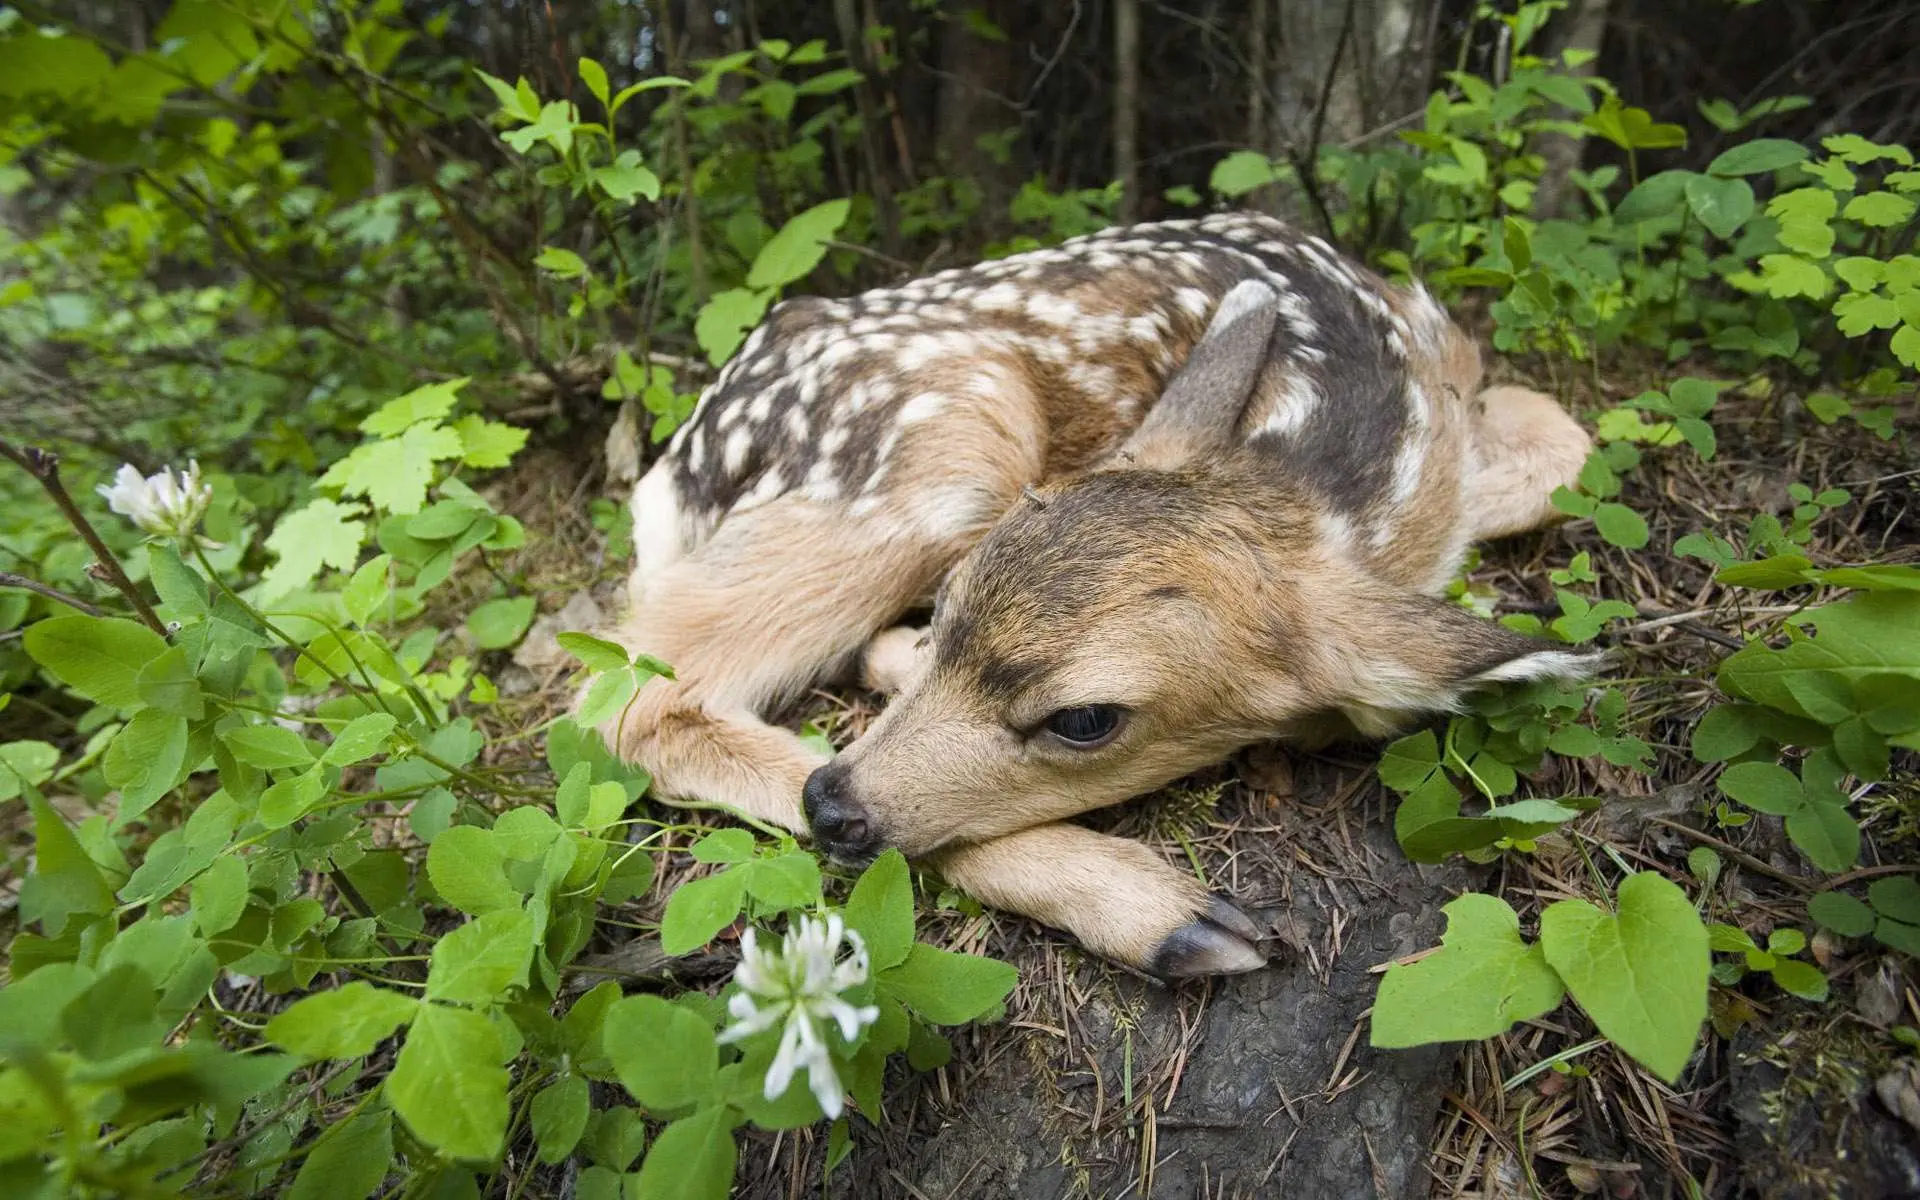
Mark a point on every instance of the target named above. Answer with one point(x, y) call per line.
point(1224, 942)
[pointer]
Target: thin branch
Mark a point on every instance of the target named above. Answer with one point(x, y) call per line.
point(45, 467)
point(11, 580)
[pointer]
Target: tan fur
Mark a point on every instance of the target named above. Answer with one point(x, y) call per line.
point(1218, 592)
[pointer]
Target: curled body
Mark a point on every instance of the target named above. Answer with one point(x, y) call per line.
point(1170, 490)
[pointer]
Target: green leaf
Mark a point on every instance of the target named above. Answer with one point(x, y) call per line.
point(1620, 525)
point(1897, 897)
point(664, 1053)
point(1408, 763)
point(947, 988)
point(1724, 733)
point(799, 246)
point(64, 879)
point(647, 85)
point(146, 760)
point(347, 1022)
point(219, 895)
point(180, 586)
point(1656, 196)
point(466, 867)
point(1484, 979)
point(323, 534)
point(1785, 276)
point(1722, 205)
point(724, 320)
point(560, 1112)
point(597, 654)
point(497, 624)
point(692, 1159)
point(562, 262)
point(361, 738)
point(24, 765)
point(393, 473)
point(625, 180)
point(1241, 172)
point(1641, 974)
point(291, 798)
point(724, 846)
point(448, 1085)
point(269, 747)
point(1758, 157)
point(880, 909)
point(1764, 787)
point(98, 657)
point(699, 909)
point(1882, 210)
point(487, 444)
point(784, 881)
point(1801, 979)
point(595, 77)
point(428, 403)
point(479, 961)
point(349, 1160)
point(1841, 913)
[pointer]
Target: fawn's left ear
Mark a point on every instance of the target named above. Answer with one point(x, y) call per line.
point(1205, 398)
point(1413, 655)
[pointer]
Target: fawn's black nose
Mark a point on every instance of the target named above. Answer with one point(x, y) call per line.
point(841, 825)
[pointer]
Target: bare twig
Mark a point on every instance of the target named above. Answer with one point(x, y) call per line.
point(9, 579)
point(45, 467)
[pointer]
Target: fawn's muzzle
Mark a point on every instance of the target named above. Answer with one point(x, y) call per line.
point(841, 824)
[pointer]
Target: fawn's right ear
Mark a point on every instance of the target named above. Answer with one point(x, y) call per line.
point(1205, 398)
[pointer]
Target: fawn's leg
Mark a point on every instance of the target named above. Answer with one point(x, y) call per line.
point(1527, 446)
point(1120, 899)
point(892, 659)
point(773, 603)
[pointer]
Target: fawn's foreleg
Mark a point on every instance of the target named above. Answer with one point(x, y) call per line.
point(1119, 898)
point(775, 602)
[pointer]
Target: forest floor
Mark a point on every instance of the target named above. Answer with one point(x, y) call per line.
point(1100, 1083)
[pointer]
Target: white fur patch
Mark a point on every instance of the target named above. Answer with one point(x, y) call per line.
point(1545, 664)
point(657, 532)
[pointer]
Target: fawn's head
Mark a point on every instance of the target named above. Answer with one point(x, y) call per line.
point(1118, 630)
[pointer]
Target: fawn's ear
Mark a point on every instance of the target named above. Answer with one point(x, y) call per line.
point(1412, 655)
point(1203, 402)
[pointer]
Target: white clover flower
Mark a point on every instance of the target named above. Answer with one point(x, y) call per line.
point(800, 986)
point(159, 504)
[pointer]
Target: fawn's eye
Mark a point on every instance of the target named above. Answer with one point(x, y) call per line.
point(1087, 727)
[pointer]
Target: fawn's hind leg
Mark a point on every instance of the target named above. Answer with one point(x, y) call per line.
point(1527, 445)
point(773, 603)
point(1119, 898)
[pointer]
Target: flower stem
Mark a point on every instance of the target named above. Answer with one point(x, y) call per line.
point(44, 466)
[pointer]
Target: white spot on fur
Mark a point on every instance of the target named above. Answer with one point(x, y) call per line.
point(921, 407)
point(1297, 400)
point(657, 525)
point(735, 454)
point(1547, 664)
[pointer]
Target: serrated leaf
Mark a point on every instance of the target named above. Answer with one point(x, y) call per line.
point(479, 961)
point(664, 1054)
point(325, 533)
point(1484, 979)
point(724, 320)
point(607, 696)
point(487, 444)
point(1881, 210)
point(1785, 276)
point(347, 1022)
point(393, 473)
point(448, 1085)
point(1640, 973)
point(428, 403)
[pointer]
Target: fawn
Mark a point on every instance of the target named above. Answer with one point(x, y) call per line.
point(1171, 490)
